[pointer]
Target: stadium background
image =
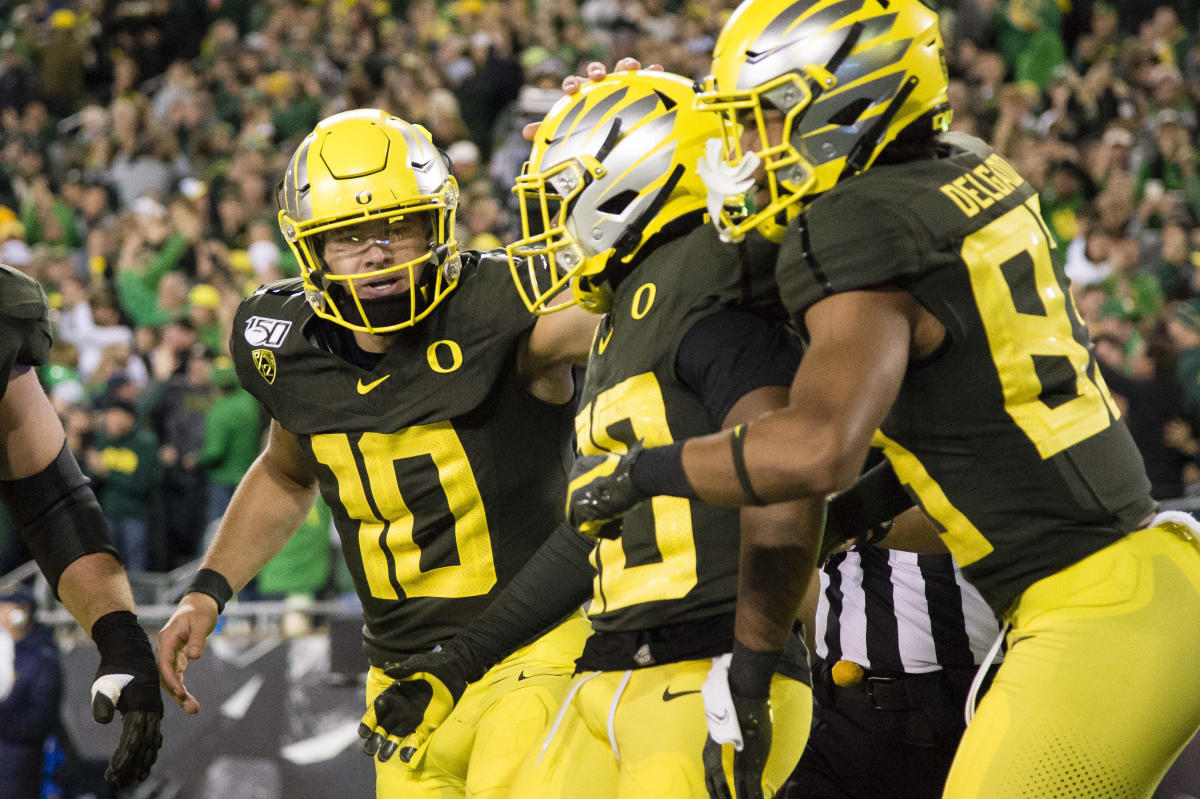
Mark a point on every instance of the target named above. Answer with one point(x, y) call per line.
point(140, 144)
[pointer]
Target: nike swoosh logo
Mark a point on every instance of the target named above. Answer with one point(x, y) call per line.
point(719, 718)
point(668, 696)
point(602, 344)
point(524, 676)
point(363, 389)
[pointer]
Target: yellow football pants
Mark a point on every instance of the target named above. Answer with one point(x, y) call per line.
point(640, 735)
point(1100, 687)
point(478, 749)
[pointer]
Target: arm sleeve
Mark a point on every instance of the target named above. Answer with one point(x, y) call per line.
point(728, 354)
point(876, 497)
point(555, 582)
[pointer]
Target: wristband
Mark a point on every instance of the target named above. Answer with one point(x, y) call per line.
point(658, 471)
point(119, 635)
point(212, 583)
point(750, 671)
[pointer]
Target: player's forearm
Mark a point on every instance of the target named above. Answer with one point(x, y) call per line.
point(266, 510)
point(555, 581)
point(785, 458)
point(778, 553)
point(93, 586)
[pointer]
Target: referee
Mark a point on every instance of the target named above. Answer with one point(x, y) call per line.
point(899, 637)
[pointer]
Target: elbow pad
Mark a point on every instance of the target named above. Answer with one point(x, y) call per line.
point(57, 516)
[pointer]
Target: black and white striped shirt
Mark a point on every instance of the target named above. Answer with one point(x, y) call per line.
point(898, 611)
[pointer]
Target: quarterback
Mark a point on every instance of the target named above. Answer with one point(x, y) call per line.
point(411, 387)
point(918, 265)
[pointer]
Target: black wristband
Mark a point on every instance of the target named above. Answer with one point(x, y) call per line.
point(212, 583)
point(737, 443)
point(121, 640)
point(750, 671)
point(658, 471)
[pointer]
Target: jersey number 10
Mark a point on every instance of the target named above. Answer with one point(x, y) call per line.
point(391, 557)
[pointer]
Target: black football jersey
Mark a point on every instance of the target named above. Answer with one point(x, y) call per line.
point(443, 472)
point(676, 559)
point(25, 333)
point(1007, 436)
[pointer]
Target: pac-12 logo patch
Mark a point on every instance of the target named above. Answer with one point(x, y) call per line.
point(263, 331)
point(264, 362)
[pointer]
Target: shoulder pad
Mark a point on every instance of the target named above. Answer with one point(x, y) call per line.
point(21, 296)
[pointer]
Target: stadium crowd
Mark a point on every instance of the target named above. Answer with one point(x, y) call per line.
point(141, 143)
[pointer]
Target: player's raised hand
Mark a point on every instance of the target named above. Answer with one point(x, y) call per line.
point(126, 681)
point(426, 689)
point(595, 71)
point(182, 641)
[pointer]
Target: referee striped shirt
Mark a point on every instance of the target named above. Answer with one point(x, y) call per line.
point(901, 612)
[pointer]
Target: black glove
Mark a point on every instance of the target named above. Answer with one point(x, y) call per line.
point(749, 682)
point(754, 718)
point(127, 681)
point(601, 490)
point(426, 689)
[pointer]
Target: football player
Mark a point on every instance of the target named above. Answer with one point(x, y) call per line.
point(59, 519)
point(920, 269)
point(690, 341)
point(411, 388)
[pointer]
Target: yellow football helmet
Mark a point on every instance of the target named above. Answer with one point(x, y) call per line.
point(368, 168)
point(826, 84)
point(611, 167)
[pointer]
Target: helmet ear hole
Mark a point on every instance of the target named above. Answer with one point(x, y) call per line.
point(850, 113)
point(618, 202)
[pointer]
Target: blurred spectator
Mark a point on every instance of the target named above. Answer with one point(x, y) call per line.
point(1087, 261)
point(1168, 176)
point(1184, 330)
point(124, 462)
point(178, 407)
point(1154, 400)
point(1175, 269)
point(77, 325)
point(30, 711)
point(60, 55)
point(302, 566)
point(1129, 292)
point(232, 440)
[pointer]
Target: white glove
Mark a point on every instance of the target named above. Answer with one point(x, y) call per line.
point(719, 712)
point(725, 180)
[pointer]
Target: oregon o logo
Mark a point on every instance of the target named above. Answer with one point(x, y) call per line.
point(435, 357)
point(643, 300)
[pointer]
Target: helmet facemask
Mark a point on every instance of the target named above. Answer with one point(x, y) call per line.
point(610, 169)
point(735, 201)
point(545, 200)
point(825, 88)
point(365, 194)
